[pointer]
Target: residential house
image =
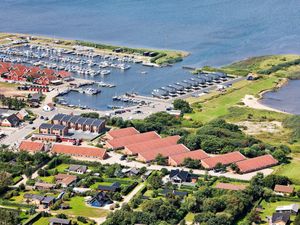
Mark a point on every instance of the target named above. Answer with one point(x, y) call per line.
point(115, 187)
point(113, 134)
point(131, 172)
point(179, 176)
point(292, 208)
point(65, 180)
point(22, 114)
point(99, 200)
point(59, 221)
point(10, 121)
point(48, 107)
point(174, 192)
point(283, 189)
point(280, 219)
point(43, 186)
point(178, 159)
point(80, 169)
point(55, 129)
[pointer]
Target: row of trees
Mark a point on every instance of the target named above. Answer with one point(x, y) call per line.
point(13, 103)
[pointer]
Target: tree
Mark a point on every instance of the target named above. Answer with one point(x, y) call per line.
point(182, 105)
point(191, 163)
point(155, 181)
point(161, 160)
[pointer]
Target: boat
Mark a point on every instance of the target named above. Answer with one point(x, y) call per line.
point(105, 72)
point(92, 91)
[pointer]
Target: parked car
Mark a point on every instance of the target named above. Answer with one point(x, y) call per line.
point(123, 157)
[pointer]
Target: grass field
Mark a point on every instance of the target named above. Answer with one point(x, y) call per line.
point(218, 104)
point(291, 170)
point(45, 221)
point(269, 208)
point(79, 208)
point(49, 179)
point(189, 217)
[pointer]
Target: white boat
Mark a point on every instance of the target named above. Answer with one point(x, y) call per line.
point(105, 72)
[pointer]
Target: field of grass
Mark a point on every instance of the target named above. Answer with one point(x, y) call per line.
point(218, 104)
point(49, 179)
point(189, 217)
point(95, 185)
point(269, 208)
point(45, 221)
point(79, 208)
point(62, 167)
point(291, 170)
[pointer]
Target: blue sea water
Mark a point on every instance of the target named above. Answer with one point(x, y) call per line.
point(215, 32)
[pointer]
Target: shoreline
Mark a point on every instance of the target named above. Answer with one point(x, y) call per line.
point(254, 102)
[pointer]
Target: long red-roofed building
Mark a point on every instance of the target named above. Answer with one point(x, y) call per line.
point(148, 156)
point(31, 146)
point(151, 145)
point(123, 132)
point(121, 142)
point(80, 151)
point(232, 187)
point(225, 159)
point(177, 159)
point(257, 163)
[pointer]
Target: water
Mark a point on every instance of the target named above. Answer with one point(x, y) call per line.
point(215, 32)
point(285, 99)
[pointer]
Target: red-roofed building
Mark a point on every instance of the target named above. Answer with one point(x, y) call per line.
point(63, 74)
point(65, 180)
point(31, 146)
point(47, 71)
point(80, 151)
point(232, 187)
point(256, 163)
point(283, 189)
point(177, 159)
point(225, 159)
point(121, 142)
point(148, 156)
point(45, 80)
point(151, 145)
point(124, 132)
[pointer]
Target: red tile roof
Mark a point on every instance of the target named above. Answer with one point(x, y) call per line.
point(147, 156)
point(122, 132)
point(65, 178)
point(179, 158)
point(136, 138)
point(151, 145)
point(256, 163)
point(225, 159)
point(31, 146)
point(284, 188)
point(80, 151)
point(233, 187)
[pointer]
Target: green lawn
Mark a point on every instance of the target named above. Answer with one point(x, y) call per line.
point(269, 208)
point(189, 217)
point(62, 168)
point(49, 179)
point(95, 185)
point(79, 208)
point(45, 221)
point(291, 170)
point(217, 104)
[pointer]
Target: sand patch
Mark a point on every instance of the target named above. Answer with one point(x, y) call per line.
point(253, 128)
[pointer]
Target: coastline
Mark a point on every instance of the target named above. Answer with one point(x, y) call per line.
point(254, 102)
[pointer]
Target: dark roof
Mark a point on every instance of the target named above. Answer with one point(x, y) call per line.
point(58, 116)
point(100, 197)
point(98, 122)
point(66, 118)
point(13, 119)
point(59, 221)
point(34, 196)
point(174, 192)
point(46, 126)
point(81, 120)
point(276, 217)
point(89, 121)
point(114, 187)
point(181, 174)
point(74, 119)
point(48, 200)
point(78, 167)
point(58, 127)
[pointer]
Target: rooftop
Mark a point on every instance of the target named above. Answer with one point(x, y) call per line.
point(165, 151)
point(256, 163)
point(284, 188)
point(225, 159)
point(136, 138)
point(31, 146)
point(233, 187)
point(153, 145)
point(122, 132)
point(197, 154)
point(79, 150)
